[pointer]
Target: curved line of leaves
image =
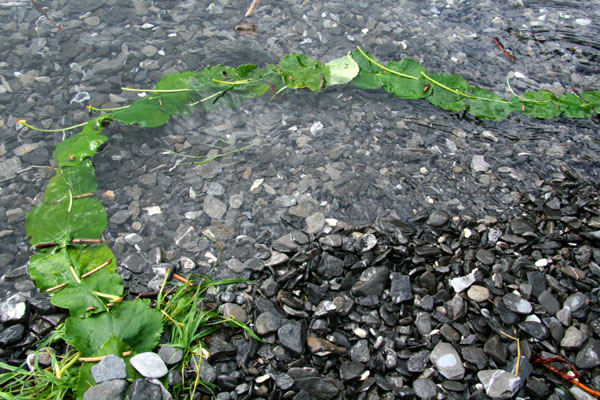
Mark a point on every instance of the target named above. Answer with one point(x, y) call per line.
point(69, 218)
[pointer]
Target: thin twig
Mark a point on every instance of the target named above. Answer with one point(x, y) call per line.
point(98, 268)
point(100, 358)
point(183, 280)
point(87, 241)
point(252, 8)
point(518, 351)
point(545, 362)
point(52, 289)
point(510, 56)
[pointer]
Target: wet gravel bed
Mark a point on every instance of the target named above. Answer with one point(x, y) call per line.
point(508, 208)
point(426, 308)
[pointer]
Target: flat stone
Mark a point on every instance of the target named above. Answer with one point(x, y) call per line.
point(9, 168)
point(400, 289)
point(214, 207)
point(208, 373)
point(478, 293)
point(170, 355)
point(499, 384)
point(360, 351)
point(276, 258)
point(478, 164)
point(220, 349)
point(111, 367)
point(315, 222)
point(143, 389)
point(323, 347)
point(120, 217)
point(318, 387)
point(330, 266)
point(573, 339)
point(232, 310)
point(549, 302)
point(438, 218)
point(351, 371)
point(11, 335)
point(267, 322)
point(13, 309)
point(291, 337)
point(149, 365)
point(575, 301)
point(485, 256)
point(589, 355)
point(425, 388)
point(517, 304)
point(463, 282)
point(447, 361)
point(418, 361)
point(371, 281)
point(108, 390)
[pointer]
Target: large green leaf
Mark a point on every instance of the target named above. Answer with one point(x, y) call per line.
point(488, 105)
point(176, 102)
point(594, 99)
point(83, 145)
point(71, 181)
point(64, 221)
point(342, 70)
point(442, 97)
point(538, 104)
point(573, 106)
point(368, 76)
point(299, 71)
point(133, 322)
point(402, 86)
point(147, 112)
point(50, 269)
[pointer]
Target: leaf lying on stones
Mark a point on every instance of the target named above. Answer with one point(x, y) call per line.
point(342, 70)
point(538, 104)
point(299, 71)
point(368, 75)
point(83, 145)
point(49, 269)
point(61, 222)
point(447, 99)
point(78, 180)
point(488, 105)
point(133, 322)
point(402, 86)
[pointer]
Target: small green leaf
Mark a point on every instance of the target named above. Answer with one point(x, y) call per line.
point(342, 70)
point(78, 179)
point(538, 104)
point(84, 144)
point(64, 221)
point(133, 322)
point(402, 86)
point(573, 106)
point(488, 105)
point(299, 71)
point(449, 99)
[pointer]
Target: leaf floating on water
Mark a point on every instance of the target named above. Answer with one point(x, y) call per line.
point(342, 70)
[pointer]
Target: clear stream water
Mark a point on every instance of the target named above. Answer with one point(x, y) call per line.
point(351, 154)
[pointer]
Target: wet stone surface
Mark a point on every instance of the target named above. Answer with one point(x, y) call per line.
point(391, 241)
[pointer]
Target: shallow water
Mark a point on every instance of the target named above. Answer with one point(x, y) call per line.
point(351, 154)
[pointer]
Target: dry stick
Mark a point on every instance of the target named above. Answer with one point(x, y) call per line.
point(518, 351)
point(45, 245)
point(252, 8)
point(544, 362)
point(100, 358)
point(510, 56)
point(183, 280)
point(52, 289)
point(87, 241)
point(98, 268)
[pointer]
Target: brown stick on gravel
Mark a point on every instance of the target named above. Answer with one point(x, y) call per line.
point(251, 9)
point(545, 362)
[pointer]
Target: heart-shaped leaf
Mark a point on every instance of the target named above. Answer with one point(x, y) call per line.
point(133, 322)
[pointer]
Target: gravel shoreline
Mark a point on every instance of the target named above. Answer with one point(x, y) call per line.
point(346, 154)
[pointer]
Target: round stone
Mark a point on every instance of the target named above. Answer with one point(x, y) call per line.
point(478, 293)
